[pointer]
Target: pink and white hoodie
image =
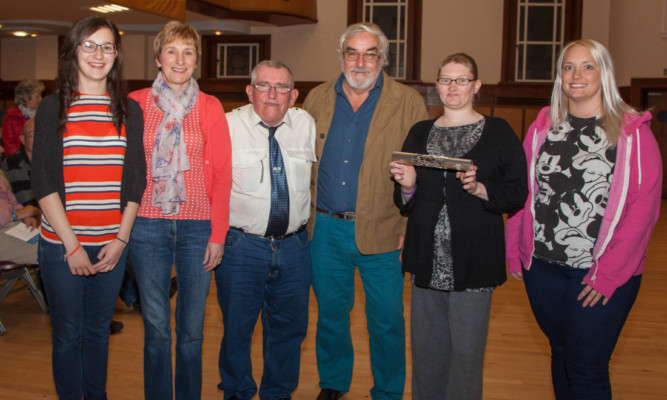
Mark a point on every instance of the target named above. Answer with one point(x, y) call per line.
point(632, 209)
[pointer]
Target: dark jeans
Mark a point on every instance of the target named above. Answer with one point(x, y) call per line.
point(156, 246)
point(258, 275)
point(81, 308)
point(582, 339)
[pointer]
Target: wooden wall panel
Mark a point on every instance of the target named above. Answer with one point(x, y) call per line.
point(486, 110)
point(530, 115)
point(513, 116)
point(280, 13)
point(172, 8)
point(304, 8)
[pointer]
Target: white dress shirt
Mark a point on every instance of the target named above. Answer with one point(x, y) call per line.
point(250, 201)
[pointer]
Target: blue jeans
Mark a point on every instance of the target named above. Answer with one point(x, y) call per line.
point(81, 308)
point(335, 258)
point(258, 275)
point(582, 339)
point(156, 245)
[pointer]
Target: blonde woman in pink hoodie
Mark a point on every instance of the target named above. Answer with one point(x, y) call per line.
point(579, 243)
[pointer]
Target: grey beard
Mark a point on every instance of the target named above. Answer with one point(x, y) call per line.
point(360, 85)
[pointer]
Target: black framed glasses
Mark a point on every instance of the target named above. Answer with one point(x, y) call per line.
point(265, 87)
point(351, 55)
point(463, 81)
point(88, 46)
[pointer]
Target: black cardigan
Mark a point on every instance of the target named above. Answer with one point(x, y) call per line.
point(478, 243)
point(47, 162)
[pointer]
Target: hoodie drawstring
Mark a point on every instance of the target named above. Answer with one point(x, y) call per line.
point(639, 161)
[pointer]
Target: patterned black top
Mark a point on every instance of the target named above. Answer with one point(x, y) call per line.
point(452, 141)
point(574, 170)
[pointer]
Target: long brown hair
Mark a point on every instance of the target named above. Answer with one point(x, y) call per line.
point(68, 70)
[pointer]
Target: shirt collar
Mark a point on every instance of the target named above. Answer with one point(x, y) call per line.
point(255, 119)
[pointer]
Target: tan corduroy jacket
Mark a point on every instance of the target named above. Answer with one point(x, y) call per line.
point(378, 221)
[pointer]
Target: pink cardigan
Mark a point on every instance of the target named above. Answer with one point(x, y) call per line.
point(632, 209)
point(217, 158)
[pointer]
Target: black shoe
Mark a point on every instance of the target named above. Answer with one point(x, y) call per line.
point(116, 327)
point(329, 394)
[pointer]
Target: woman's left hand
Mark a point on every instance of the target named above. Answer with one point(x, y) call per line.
point(109, 256)
point(470, 184)
point(213, 256)
point(591, 295)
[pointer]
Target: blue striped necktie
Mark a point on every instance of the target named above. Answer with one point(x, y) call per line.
point(279, 215)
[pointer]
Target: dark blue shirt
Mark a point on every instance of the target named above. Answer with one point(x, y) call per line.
point(343, 151)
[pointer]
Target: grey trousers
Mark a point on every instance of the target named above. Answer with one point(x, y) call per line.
point(16, 250)
point(448, 338)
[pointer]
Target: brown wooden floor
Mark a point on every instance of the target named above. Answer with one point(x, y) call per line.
point(517, 358)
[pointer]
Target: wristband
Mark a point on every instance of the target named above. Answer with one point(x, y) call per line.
point(121, 240)
point(67, 256)
point(14, 216)
point(410, 193)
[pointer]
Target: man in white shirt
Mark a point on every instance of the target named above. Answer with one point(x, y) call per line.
point(266, 266)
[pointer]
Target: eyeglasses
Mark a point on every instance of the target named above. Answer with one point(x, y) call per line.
point(265, 87)
point(88, 46)
point(370, 58)
point(459, 81)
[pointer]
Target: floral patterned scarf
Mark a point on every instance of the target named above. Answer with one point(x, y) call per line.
point(170, 158)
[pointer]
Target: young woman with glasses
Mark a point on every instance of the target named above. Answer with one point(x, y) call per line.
point(88, 174)
point(454, 244)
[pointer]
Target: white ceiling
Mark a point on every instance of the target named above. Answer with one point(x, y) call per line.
point(55, 17)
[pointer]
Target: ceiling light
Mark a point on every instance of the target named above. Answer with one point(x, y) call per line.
point(33, 35)
point(110, 8)
point(218, 33)
point(20, 33)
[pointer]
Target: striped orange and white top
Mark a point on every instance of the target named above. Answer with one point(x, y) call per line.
point(93, 156)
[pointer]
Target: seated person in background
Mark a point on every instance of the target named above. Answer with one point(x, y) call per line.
point(27, 95)
point(11, 214)
point(17, 167)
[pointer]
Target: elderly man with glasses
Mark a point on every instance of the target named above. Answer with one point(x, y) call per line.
point(361, 117)
point(266, 265)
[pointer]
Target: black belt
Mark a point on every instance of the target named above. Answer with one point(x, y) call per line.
point(347, 215)
point(275, 238)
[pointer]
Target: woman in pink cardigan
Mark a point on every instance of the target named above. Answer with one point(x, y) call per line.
point(184, 214)
point(579, 243)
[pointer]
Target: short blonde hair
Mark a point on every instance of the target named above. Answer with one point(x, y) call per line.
point(173, 30)
point(25, 89)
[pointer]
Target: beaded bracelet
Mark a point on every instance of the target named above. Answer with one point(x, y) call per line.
point(410, 193)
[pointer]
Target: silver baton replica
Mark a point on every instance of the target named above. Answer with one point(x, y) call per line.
point(425, 160)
